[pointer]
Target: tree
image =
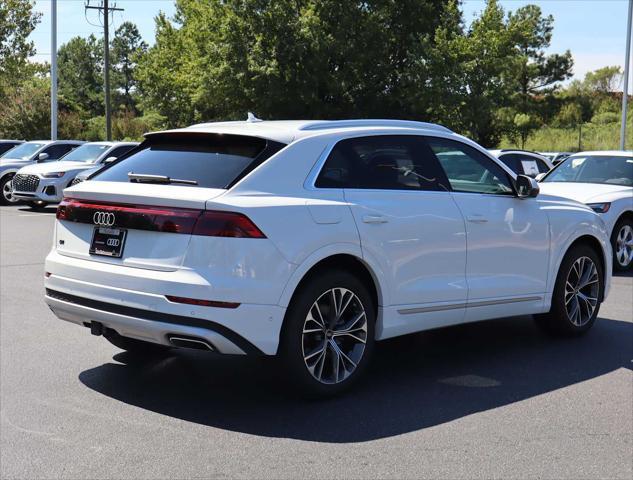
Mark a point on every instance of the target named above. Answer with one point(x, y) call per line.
point(17, 21)
point(571, 116)
point(127, 48)
point(534, 72)
point(604, 80)
point(291, 58)
point(475, 67)
point(25, 113)
point(81, 74)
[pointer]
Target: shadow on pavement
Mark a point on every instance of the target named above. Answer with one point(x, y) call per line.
point(414, 382)
point(49, 209)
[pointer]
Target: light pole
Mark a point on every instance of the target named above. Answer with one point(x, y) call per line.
point(625, 88)
point(53, 69)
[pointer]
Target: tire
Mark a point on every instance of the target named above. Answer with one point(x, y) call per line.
point(323, 353)
point(133, 345)
point(622, 244)
point(36, 205)
point(571, 313)
point(6, 197)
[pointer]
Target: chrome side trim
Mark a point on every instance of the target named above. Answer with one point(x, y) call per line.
point(438, 308)
point(454, 306)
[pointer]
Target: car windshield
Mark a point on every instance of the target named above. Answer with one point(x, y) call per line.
point(86, 153)
point(24, 151)
point(610, 169)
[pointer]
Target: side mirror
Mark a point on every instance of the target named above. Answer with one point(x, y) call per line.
point(540, 177)
point(42, 157)
point(526, 187)
point(109, 160)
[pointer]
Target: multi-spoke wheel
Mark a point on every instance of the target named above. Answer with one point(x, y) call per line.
point(6, 192)
point(581, 291)
point(328, 333)
point(577, 293)
point(622, 243)
point(334, 335)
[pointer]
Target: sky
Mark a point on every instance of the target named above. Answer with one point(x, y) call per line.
point(594, 30)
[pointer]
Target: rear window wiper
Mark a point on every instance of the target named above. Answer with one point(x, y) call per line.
point(161, 179)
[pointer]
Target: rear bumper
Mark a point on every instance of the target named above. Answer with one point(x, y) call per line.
point(249, 329)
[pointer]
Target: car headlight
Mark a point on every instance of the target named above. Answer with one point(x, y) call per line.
point(600, 207)
point(53, 174)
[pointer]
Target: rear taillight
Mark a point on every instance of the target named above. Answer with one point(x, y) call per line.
point(226, 224)
point(188, 221)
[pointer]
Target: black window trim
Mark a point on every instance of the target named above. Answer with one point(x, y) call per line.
point(510, 176)
point(313, 176)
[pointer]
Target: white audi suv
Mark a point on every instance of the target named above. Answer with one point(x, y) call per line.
point(311, 240)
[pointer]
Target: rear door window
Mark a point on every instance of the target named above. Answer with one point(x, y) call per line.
point(389, 162)
point(211, 160)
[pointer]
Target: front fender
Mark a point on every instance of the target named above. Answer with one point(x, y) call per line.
point(566, 228)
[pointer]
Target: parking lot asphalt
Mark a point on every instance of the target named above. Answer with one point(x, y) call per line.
point(497, 399)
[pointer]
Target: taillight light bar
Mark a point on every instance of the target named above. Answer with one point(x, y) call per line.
point(212, 223)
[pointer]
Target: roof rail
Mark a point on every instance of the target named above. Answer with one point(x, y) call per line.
point(328, 124)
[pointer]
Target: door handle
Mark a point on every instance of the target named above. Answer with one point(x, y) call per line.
point(477, 219)
point(374, 219)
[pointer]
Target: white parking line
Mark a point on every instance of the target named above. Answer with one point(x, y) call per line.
point(35, 215)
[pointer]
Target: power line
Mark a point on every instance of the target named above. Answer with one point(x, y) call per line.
point(104, 12)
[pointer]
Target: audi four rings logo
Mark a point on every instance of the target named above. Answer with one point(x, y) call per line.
point(104, 219)
point(113, 242)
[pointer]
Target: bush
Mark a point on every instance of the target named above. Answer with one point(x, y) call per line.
point(605, 118)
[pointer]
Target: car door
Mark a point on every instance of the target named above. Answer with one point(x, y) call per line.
point(507, 236)
point(408, 224)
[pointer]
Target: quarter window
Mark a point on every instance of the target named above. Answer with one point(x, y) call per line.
point(391, 162)
point(469, 170)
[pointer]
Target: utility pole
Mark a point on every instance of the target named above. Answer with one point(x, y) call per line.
point(625, 88)
point(53, 69)
point(105, 9)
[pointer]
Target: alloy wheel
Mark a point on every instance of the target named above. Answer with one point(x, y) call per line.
point(624, 246)
point(7, 192)
point(334, 336)
point(581, 291)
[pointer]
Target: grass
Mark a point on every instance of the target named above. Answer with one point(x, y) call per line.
point(594, 137)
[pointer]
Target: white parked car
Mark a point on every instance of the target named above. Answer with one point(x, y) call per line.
point(43, 183)
point(523, 162)
point(37, 151)
point(313, 239)
point(604, 181)
point(556, 157)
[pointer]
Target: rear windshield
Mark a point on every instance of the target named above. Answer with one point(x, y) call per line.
point(211, 160)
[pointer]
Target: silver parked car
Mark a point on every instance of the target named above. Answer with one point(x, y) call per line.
point(36, 151)
point(44, 183)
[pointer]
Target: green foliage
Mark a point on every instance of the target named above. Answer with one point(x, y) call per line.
point(605, 118)
point(127, 48)
point(604, 80)
point(290, 58)
point(25, 112)
point(80, 62)
point(17, 21)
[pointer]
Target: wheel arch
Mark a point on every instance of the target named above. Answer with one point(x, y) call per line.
point(349, 259)
point(595, 244)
